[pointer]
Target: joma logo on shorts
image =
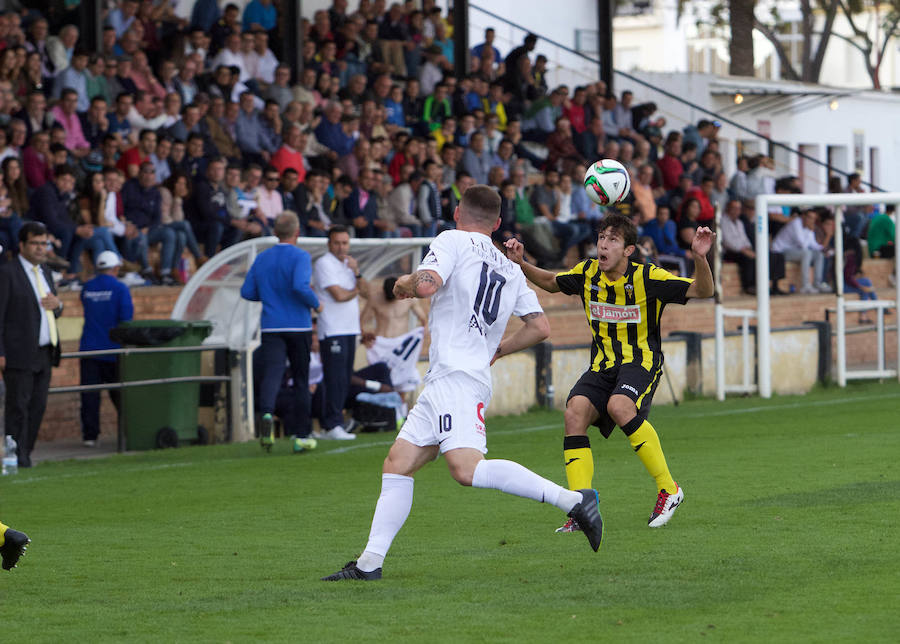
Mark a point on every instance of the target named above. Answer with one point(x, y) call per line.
point(631, 389)
point(629, 314)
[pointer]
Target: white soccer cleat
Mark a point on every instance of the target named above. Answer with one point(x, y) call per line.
point(338, 433)
point(666, 504)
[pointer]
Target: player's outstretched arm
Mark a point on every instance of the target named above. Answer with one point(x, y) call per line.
point(419, 284)
point(703, 280)
point(536, 329)
point(546, 280)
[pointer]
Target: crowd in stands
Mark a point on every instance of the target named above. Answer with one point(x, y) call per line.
point(191, 135)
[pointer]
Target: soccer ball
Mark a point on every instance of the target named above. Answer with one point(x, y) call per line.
point(607, 182)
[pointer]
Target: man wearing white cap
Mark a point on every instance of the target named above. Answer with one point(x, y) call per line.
point(106, 302)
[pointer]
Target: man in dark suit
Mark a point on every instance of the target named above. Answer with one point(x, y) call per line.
point(29, 341)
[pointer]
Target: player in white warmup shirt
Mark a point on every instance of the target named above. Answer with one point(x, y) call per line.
point(474, 291)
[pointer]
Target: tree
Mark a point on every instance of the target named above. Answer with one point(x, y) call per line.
point(812, 58)
point(740, 46)
point(886, 16)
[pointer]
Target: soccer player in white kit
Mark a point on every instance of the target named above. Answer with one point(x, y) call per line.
point(474, 290)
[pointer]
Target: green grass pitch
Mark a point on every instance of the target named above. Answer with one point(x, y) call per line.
point(788, 533)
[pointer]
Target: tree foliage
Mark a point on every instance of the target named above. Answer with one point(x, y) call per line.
point(873, 25)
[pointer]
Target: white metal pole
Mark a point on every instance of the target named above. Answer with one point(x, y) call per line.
point(879, 329)
point(764, 366)
point(720, 317)
point(720, 353)
point(839, 289)
point(746, 353)
point(897, 294)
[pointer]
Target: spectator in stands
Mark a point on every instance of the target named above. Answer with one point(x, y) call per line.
point(545, 199)
point(540, 118)
point(50, 206)
point(688, 222)
point(881, 234)
point(36, 160)
point(856, 218)
point(670, 165)
point(175, 195)
point(797, 242)
point(737, 187)
point(65, 114)
point(561, 151)
point(663, 232)
point(476, 159)
point(143, 209)
point(208, 214)
point(855, 280)
point(255, 142)
point(700, 134)
point(737, 248)
point(516, 71)
point(702, 194)
point(35, 114)
point(268, 198)
point(428, 198)
point(75, 77)
point(361, 208)
point(591, 141)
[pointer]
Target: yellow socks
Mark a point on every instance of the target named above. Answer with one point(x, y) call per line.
point(645, 443)
point(3, 529)
point(579, 462)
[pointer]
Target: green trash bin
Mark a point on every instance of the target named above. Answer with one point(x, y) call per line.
point(158, 416)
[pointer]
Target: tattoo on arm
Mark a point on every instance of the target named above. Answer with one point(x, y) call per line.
point(424, 277)
point(530, 316)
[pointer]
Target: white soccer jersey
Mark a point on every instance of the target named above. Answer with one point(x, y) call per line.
point(481, 290)
point(400, 354)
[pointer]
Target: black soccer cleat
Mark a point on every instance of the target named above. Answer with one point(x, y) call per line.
point(587, 515)
point(13, 547)
point(350, 571)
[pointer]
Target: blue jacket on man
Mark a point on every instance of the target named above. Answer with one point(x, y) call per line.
point(106, 302)
point(280, 279)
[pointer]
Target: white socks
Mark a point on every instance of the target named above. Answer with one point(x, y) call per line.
point(512, 478)
point(391, 511)
point(396, 499)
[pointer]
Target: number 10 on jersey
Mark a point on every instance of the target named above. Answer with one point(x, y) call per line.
point(488, 297)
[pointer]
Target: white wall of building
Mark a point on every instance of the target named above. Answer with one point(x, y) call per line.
point(869, 118)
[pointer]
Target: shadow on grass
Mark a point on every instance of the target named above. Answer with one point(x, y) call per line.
point(856, 493)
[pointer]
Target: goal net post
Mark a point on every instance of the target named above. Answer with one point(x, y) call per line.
point(838, 201)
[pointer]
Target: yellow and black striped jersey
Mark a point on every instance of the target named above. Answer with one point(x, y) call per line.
point(624, 315)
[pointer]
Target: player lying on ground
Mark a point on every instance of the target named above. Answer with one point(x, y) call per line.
point(623, 302)
point(474, 291)
point(12, 546)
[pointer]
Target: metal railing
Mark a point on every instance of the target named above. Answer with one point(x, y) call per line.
point(121, 430)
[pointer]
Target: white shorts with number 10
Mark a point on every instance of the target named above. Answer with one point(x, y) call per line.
point(449, 413)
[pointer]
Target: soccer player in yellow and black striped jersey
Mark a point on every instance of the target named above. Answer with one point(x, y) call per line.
point(623, 302)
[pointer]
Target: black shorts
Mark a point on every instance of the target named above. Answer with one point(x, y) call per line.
point(630, 380)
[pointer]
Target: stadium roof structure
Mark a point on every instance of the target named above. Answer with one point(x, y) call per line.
point(772, 97)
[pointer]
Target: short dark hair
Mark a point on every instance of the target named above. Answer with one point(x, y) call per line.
point(31, 229)
point(62, 170)
point(481, 203)
point(622, 225)
point(388, 287)
point(337, 229)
